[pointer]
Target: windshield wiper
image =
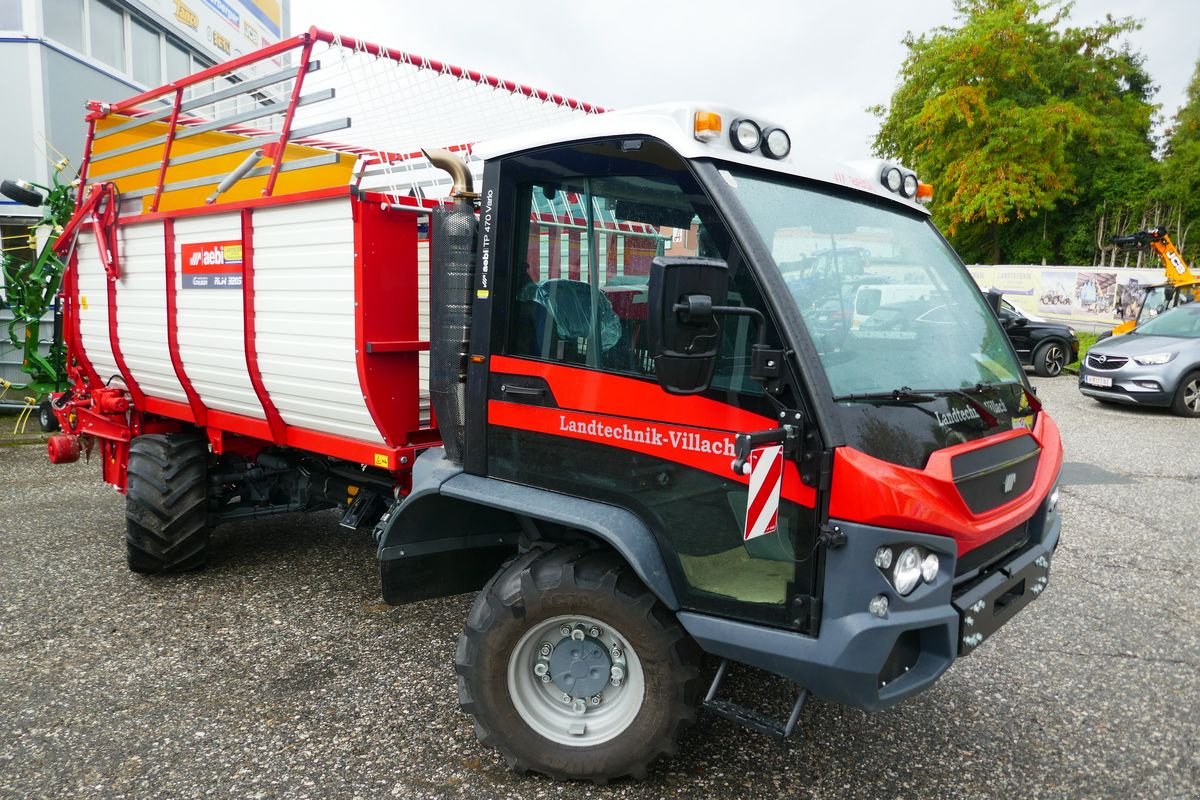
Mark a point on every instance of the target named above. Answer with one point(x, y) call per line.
point(904, 395)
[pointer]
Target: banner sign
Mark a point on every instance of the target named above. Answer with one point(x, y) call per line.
point(212, 265)
point(1086, 294)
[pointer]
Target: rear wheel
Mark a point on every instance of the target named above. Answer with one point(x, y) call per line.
point(166, 516)
point(1049, 360)
point(572, 668)
point(1187, 397)
point(46, 418)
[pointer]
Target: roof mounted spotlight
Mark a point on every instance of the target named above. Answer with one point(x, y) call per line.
point(891, 178)
point(776, 143)
point(745, 135)
point(909, 187)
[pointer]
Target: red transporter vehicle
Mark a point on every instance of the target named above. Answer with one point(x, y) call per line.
point(609, 387)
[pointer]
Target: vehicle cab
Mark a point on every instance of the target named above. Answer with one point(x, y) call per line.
point(638, 341)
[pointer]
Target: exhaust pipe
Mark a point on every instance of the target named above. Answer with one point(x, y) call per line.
point(451, 281)
point(456, 168)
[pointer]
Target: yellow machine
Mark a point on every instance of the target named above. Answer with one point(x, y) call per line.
point(1182, 285)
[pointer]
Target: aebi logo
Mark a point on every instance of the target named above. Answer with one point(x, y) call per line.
point(211, 265)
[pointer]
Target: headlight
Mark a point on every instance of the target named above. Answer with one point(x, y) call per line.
point(907, 572)
point(776, 143)
point(1071, 331)
point(1153, 359)
point(909, 188)
point(929, 568)
point(745, 135)
point(892, 179)
point(1052, 503)
point(883, 557)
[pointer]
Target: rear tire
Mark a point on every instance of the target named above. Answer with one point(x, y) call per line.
point(1186, 402)
point(46, 419)
point(166, 515)
point(1050, 358)
point(531, 596)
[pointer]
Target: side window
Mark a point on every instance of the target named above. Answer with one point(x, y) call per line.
point(583, 268)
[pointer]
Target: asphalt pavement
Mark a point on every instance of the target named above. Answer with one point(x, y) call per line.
point(279, 672)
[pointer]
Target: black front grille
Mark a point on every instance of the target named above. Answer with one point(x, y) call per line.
point(1102, 361)
point(992, 476)
point(990, 552)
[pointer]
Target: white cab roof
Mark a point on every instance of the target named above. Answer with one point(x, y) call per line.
point(673, 124)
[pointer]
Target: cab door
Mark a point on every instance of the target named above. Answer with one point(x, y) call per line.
point(572, 402)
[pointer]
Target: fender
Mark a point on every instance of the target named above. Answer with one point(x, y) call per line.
point(449, 511)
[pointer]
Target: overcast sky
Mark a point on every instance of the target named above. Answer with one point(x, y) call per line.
point(816, 66)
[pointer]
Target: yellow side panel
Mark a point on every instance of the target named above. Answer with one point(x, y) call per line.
point(217, 167)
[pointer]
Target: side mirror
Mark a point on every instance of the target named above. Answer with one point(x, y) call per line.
point(1017, 322)
point(993, 299)
point(682, 328)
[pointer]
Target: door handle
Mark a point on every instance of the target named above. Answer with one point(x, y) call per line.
point(523, 391)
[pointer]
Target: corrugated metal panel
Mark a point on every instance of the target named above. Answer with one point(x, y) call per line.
point(93, 309)
point(304, 322)
point(211, 325)
point(142, 310)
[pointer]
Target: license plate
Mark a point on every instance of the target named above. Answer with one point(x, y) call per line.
point(998, 597)
point(1096, 380)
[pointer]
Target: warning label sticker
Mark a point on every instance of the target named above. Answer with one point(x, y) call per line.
point(212, 265)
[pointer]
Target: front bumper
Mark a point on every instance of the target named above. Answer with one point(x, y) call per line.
point(1130, 384)
point(868, 662)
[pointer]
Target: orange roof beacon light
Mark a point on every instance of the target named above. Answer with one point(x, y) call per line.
point(707, 126)
point(924, 193)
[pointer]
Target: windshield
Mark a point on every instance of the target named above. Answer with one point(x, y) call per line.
point(1183, 322)
point(885, 300)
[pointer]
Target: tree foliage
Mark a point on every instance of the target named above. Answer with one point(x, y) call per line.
point(1025, 125)
point(1181, 172)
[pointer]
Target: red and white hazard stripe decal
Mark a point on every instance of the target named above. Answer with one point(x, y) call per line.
point(762, 502)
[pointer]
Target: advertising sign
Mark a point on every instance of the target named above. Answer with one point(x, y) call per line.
point(212, 265)
point(1086, 294)
point(223, 28)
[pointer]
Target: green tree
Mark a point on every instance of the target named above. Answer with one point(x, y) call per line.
point(1012, 115)
point(1181, 172)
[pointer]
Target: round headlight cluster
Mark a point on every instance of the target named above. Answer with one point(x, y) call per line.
point(907, 570)
point(898, 181)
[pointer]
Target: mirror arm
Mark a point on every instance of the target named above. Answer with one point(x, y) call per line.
point(744, 443)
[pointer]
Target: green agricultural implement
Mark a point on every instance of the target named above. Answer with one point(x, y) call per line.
point(29, 288)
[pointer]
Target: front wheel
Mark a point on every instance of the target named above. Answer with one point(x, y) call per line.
point(46, 419)
point(1187, 397)
point(572, 668)
point(1049, 360)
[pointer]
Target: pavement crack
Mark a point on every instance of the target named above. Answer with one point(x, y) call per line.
point(1182, 662)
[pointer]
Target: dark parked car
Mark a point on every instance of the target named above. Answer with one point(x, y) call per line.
point(1046, 346)
point(1155, 364)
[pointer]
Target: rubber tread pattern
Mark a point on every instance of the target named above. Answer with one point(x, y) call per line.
point(548, 580)
point(166, 515)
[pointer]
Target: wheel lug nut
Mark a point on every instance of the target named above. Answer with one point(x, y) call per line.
point(566, 698)
point(546, 649)
point(616, 652)
point(594, 632)
point(546, 678)
point(615, 681)
point(565, 630)
point(616, 673)
point(596, 699)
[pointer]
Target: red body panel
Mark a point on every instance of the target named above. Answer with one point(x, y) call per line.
point(876, 492)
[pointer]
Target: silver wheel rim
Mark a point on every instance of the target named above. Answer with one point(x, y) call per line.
point(1191, 395)
point(1055, 360)
point(540, 702)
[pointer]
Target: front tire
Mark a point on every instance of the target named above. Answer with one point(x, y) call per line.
point(629, 672)
point(166, 514)
point(1049, 360)
point(1186, 402)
